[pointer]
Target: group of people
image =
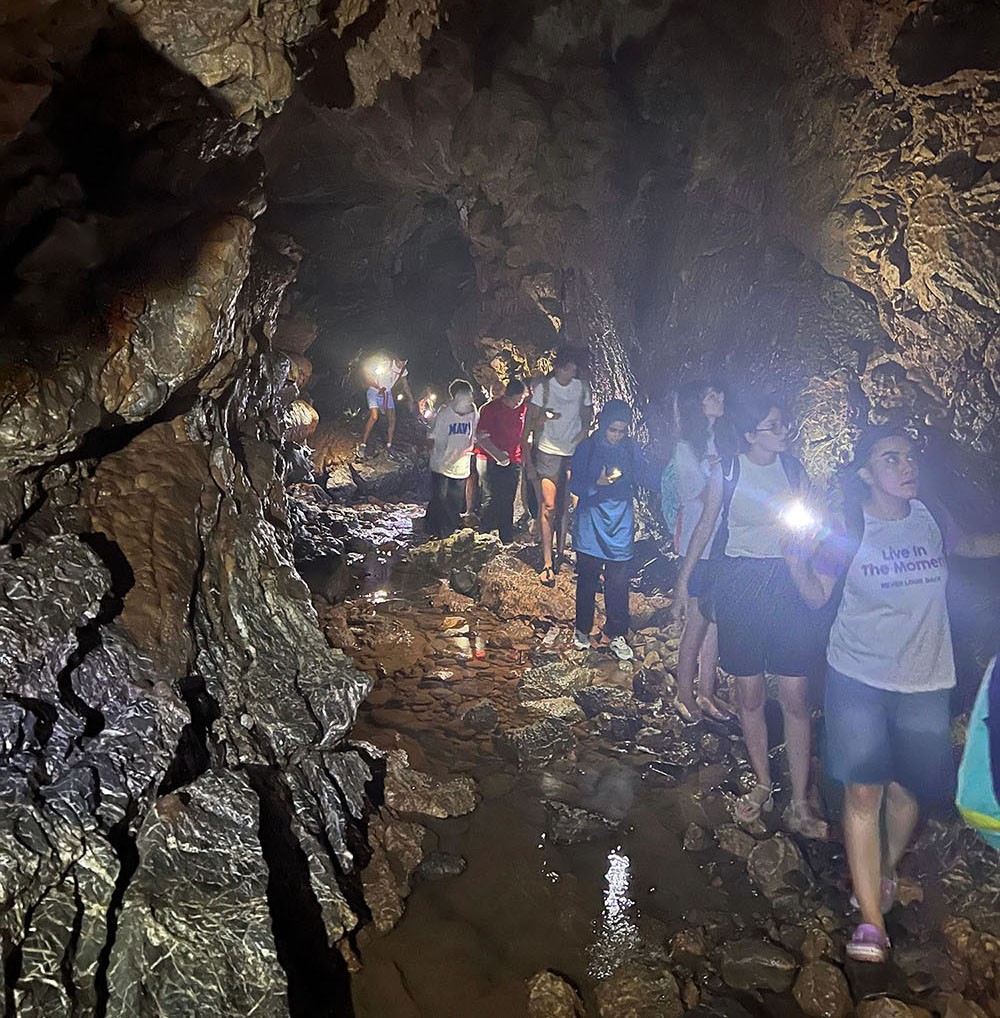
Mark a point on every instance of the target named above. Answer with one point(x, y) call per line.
point(774, 582)
point(771, 582)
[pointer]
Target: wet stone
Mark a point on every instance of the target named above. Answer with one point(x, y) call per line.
point(569, 825)
point(551, 996)
point(557, 678)
point(679, 754)
point(564, 707)
point(441, 864)
point(691, 942)
point(482, 717)
point(409, 791)
point(649, 685)
point(735, 841)
point(777, 866)
point(757, 965)
point(605, 700)
point(954, 1005)
point(636, 991)
point(696, 839)
point(617, 727)
point(888, 1007)
point(821, 990)
point(538, 743)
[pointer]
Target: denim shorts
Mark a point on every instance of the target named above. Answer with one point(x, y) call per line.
point(876, 736)
point(376, 401)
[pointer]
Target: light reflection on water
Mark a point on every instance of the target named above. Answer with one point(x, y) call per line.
point(616, 932)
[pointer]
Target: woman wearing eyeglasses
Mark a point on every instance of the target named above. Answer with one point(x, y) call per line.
point(763, 622)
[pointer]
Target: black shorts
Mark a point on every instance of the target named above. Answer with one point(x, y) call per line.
point(764, 625)
point(700, 580)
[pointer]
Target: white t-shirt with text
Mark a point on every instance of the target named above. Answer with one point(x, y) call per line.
point(558, 432)
point(454, 439)
point(892, 630)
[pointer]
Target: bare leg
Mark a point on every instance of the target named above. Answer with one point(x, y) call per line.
point(391, 414)
point(708, 661)
point(562, 515)
point(695, 628)
point(792, 690)
point(369, 424)
point(751, 694)
point(548, 514)
point(901, 814)
point(862, 839)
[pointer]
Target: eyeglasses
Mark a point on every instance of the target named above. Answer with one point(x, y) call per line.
point(776, 428)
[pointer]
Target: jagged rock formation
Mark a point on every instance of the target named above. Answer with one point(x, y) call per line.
point(802, 194)
point(183, 816)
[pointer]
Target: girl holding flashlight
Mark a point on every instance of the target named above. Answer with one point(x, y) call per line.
point(763, 622)
point(607, 469)
point(890, 667)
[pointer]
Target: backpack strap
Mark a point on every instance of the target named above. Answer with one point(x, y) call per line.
point(730, 478)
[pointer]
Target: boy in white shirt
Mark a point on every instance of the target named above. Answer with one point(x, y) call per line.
point(452, 439)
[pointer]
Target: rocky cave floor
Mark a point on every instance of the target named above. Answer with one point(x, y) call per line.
point(599, 871)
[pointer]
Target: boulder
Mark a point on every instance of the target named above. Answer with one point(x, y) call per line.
point(441, 864)
point(551, 996)
point(555, 679)
point(735, 841)
point(753, 964)
point(511, 588)
point(888, 1007)
point(563, 707)
point(821, 990)
point(638, 991)
point(569, 825)
point(605, 699)
point(696, 839)
point(537, 743)
point(463, 551)
point(777, 866)
point(482, 717)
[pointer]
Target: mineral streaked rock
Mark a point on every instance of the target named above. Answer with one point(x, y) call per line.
point(538, 743)
point(635, 991)
point(409, 791)
point(199, 892)
point(465, 549)
point(756, 965)
point(777, 866)
point(821, 990)
point(555, 679)
point(552, 996)
point(570, 825)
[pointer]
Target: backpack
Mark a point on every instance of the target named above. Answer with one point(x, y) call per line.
point(794, 471)
point(978, 795)
point(670, 499)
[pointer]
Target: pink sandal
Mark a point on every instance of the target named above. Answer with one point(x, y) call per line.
point(868, 944)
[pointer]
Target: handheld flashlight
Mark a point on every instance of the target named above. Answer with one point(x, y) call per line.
point(798, 517)
point(551, 414)
point(614, 473)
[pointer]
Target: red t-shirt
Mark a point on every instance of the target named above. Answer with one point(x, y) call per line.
point(504, 426)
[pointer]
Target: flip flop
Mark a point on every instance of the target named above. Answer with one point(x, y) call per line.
point(547, 577)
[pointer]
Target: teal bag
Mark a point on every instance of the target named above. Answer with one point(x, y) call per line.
point(976, 798)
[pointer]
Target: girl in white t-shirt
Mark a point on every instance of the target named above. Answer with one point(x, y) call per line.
point(890, 665)
point(699, 407)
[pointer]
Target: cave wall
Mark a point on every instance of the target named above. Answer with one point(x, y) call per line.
point(800, 195)
point(184, 815)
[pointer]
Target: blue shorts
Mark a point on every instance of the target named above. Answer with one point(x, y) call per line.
point(876, 736)
point(376, 401)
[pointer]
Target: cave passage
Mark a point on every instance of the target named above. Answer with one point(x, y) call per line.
point(266, 745)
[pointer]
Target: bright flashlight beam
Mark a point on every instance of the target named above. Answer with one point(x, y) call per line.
point(798, 517)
